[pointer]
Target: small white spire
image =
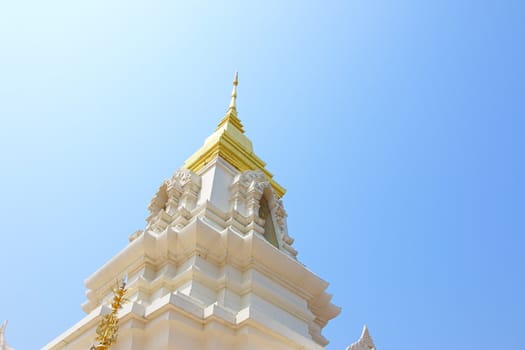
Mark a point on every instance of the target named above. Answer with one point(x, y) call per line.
point(365, 342)
point(3, 343)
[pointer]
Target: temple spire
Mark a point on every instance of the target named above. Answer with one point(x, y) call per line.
point(233, 101)
point(230, 143)
point(231, 114)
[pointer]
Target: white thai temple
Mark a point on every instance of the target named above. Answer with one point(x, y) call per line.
point(215, 267)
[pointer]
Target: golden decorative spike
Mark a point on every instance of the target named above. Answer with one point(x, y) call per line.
point(231, 113)
point(234, 92)
point(108, 327)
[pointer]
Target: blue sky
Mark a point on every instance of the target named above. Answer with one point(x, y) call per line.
point(396, 127)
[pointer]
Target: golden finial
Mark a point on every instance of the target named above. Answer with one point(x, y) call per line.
point(108, 327)
point(233, 101)
point(231, 113)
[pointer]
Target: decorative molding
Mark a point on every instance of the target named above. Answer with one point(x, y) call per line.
point(218, 266)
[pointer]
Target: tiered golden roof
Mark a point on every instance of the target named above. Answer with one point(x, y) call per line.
point(230, 143)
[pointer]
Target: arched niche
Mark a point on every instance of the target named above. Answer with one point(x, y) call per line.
point(265, 213)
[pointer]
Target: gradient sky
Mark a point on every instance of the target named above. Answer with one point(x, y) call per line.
point(396, 127)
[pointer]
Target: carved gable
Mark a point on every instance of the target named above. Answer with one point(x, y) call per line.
point(175, 199)
point(253, 197)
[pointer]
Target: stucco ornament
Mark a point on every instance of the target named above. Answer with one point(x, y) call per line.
point(247, 190)
point(253, 180)
point(183, 176)
point(176, 196)
point(3, 343)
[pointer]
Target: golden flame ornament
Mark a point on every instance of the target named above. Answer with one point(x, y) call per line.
point(107, 329)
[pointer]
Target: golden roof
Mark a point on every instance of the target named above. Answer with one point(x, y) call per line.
point(230, 143)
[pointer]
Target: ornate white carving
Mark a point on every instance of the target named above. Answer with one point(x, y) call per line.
point(365, 342)
point(252, 180)
point(280, 215)
point(246, 191)
point(183, 176)
point(3, 343)
point(176, 196)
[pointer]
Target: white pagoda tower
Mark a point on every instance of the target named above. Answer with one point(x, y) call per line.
point(214, 267)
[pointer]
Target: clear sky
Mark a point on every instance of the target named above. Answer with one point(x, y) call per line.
point(396, 127)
